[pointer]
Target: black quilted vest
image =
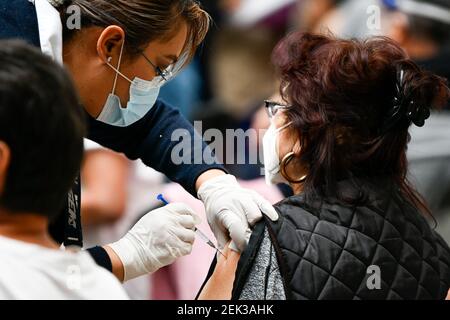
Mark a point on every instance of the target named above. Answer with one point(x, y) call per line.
point(325, 248)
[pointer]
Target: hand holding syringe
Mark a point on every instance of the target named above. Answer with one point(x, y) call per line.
point(203, 236)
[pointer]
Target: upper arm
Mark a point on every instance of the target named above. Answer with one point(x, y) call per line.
point(220, 285)
point(258, 278)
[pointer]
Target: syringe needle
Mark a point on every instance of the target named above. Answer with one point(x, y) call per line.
point(208, 242)
point(161, 198)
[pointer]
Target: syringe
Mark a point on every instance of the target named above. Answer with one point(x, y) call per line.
point(203, 236)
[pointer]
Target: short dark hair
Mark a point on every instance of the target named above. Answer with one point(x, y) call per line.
point(42, 122)
point(142, 20)
point(341, 93)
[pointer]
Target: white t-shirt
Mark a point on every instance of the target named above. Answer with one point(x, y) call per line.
point(33, 272)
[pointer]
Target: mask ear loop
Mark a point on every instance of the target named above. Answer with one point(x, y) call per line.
point(118, 68)
point(283, 127)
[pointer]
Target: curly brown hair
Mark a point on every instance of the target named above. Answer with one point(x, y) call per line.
point(343, 93)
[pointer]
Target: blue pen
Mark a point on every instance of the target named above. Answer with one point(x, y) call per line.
point(160, 197)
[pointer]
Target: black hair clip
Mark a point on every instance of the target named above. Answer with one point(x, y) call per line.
point(417, 114)
point(404, 108)
point(395, 113)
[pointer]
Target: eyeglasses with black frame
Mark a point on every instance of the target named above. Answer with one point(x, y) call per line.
point(166, 74)
point(273, 107)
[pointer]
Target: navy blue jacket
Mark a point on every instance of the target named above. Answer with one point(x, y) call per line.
point(148, 139)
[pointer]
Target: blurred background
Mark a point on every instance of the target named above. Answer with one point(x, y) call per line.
point(225, 86)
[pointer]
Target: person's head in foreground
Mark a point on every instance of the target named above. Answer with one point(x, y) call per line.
point(41, 148)
point(355, 228)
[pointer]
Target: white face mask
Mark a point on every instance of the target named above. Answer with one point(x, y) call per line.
point(271, 155)
point(143, 95)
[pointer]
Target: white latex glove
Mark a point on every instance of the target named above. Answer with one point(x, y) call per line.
point(157, 240)
point(232, 210)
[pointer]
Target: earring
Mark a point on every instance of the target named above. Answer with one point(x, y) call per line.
point(109, 59)
point(286, 160)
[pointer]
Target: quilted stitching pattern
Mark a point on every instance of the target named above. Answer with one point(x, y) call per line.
point(328, 248)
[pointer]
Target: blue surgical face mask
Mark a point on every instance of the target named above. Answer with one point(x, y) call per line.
point(143, 95)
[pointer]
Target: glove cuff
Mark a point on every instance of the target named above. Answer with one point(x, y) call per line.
point(135, 263)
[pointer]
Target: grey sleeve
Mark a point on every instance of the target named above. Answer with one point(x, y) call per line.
point(264, 281)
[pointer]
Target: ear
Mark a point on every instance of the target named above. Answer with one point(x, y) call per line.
point(110, 42)
point(5, 158)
